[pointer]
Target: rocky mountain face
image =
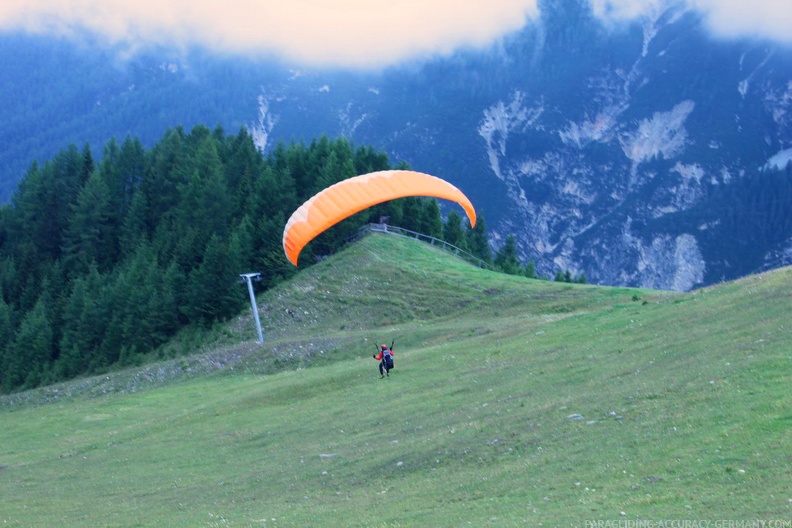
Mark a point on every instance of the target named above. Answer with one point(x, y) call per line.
point(657, 129)
point(646, 154)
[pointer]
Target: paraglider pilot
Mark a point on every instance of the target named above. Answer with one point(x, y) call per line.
point(385, 357)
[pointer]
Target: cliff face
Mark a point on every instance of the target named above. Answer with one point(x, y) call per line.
point(571, 210)
point(600, 171)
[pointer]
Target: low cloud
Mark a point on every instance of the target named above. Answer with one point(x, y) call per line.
point(350, 33)
point(347, 33)
point(771, 19)
point(767, 19)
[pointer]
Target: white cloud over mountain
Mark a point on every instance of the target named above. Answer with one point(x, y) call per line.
point(348, 33)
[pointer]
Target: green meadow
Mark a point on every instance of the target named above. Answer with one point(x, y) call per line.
point(513, 402)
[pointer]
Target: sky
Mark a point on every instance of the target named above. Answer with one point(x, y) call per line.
point(355, 34)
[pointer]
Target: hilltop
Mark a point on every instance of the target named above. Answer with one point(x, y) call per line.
point(514, 401)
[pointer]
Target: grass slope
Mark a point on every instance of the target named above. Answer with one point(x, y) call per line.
point(513, 402)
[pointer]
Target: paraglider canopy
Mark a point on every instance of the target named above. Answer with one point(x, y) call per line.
point(345, 198)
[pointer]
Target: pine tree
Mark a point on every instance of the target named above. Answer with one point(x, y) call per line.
point(149, 312)
point(530, 270)
point(134, 226)
point(166, 172)
point(85, 318)
point(412, 213)
point(269, 254)
point(478, 240)
point(203, 208)
point(88, 166)
point(453, 232)
point(368, 160)
point(506, 258)
point(204, 203)
point(122, 169)
point(241, 246)
point(212, 290)
point(6, 337)
point(91, 237)
point(30, 354)
point(274, 193)
point(243, 167)
point(431, 221)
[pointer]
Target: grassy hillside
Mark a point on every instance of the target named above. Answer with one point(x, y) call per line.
point(513, 402)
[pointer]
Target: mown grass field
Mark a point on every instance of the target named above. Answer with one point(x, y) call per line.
point(514, 402)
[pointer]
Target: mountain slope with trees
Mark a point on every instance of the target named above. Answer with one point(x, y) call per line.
point(104, 259)
point(618, 150)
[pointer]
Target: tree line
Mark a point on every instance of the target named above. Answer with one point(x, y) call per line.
point(103, 260)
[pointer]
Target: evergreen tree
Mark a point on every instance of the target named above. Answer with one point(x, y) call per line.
point(147, 307)
point(269, 254)
point(6, 337)
point(90, 236)
point(204, 206)
point(478, 240)
point(134, 226)
point(412, 214)
point(204, 203)
point(241, 246)
point(122, 170)
point(318, 154)
point(173, 299)
point(42, 205)
point(213, 290)
point(290, 163)
point(453, 232)
point(165, 174)
point(368, 160)
point(10, 281)
point(431, 221)
point(85, 317)
point(274, 193)
point(340, 165)
point(506, 258)
point(242, 168)
point(530, 270)
point(87, 166)
point(30, 354)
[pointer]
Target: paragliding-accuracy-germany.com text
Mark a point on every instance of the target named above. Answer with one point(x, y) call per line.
point(690, 523)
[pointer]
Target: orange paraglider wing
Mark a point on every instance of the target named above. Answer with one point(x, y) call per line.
point(345, 198)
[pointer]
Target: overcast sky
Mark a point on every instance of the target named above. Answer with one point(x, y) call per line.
point(346, 33)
